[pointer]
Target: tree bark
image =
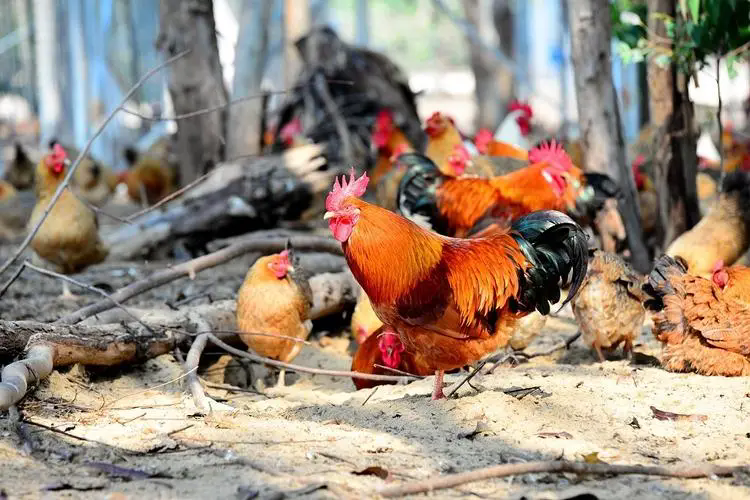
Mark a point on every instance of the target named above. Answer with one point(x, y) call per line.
point(296, 24)
point(676, 164)
point(195, 83)
point(598, 114)
point(492, 85)
point(250, 61)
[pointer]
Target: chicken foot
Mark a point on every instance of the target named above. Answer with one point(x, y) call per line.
point(437, 391)
point(66, 293)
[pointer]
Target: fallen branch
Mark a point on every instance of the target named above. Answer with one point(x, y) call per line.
point(305, 369)
point(497, 471)
point(51, 346)
point(191, 373)
point(71, 171)
point(191, 267)
point(86, 286)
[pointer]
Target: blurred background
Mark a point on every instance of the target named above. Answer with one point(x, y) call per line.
point(65, 64)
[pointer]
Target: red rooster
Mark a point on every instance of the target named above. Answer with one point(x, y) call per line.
point(453, 206)
point(454, 300)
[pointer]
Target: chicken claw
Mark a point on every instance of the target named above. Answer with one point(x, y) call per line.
point(437, 391)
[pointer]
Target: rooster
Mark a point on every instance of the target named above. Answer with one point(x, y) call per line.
point(453, 206)
point(451, 299)
point(516, 126)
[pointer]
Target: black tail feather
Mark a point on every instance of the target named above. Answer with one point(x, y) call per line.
point(417, 191)
point(658, 285)
point(557, 249)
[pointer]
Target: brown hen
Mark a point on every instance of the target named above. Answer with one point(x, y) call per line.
point(608, 308)
point(68, 239)
point(704, 328)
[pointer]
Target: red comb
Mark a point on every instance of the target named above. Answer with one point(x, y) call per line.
point(482, 140)
point(516, 105)
point(552, 153)
point(291, 129)
point(342, 190)
point(383, 128)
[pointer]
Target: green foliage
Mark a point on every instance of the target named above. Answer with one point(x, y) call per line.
point(701, 29)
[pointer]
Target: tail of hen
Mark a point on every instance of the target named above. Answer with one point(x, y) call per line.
point(659, 283)
point(557, 249)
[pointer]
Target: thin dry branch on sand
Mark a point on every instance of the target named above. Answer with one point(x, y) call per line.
point(196, 265)
point(71, 171)
point(505, 470)
point(305, 369)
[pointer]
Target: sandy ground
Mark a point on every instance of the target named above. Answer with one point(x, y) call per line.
point(135, 433)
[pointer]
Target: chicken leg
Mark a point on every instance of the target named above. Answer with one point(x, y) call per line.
point(437, 391)
point(66, 293)
point(281, 382)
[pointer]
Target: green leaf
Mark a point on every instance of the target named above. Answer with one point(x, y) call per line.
point(662, 60)
point(732, 66)
point(695, 7)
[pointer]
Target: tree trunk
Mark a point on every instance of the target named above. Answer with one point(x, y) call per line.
point(676, 164)
point(484, 66)
point(195, 83)
point(598, 114)
point(250, 61)
point(296, 24)
point(48, 69)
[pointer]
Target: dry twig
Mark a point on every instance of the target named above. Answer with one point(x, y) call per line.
point(167, 198)
point(69, 174)
point(193, 266)
point(91, 288)
point(305, 369)
point(505, 470)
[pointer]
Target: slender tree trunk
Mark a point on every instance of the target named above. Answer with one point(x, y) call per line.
point(486, 71)
point(250, 62)
point(195, 83)
point(47, 68)
point(676, 163)
point(598, 114)
point(296, 24)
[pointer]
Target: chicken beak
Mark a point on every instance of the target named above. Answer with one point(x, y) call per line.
point(328, 215)
point(289, 269)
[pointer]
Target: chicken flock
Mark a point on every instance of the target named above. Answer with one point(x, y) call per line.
point(461, 247)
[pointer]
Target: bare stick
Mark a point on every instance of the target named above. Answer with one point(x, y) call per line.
point(191, 371)
point(305, 369)
point(191, 267)
point(466, 379)
point(497, 471)
point(168, 198)
point(69, 175)
point(12, 279)
point(338, 121)
point(722, 173)
point(98, 210)
point(91, 288)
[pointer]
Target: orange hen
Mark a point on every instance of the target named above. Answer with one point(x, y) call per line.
point(274, 299)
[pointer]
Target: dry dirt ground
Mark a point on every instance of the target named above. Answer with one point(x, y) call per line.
point(134, 432)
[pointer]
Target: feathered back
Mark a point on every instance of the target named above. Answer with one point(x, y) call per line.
point(555, 247)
